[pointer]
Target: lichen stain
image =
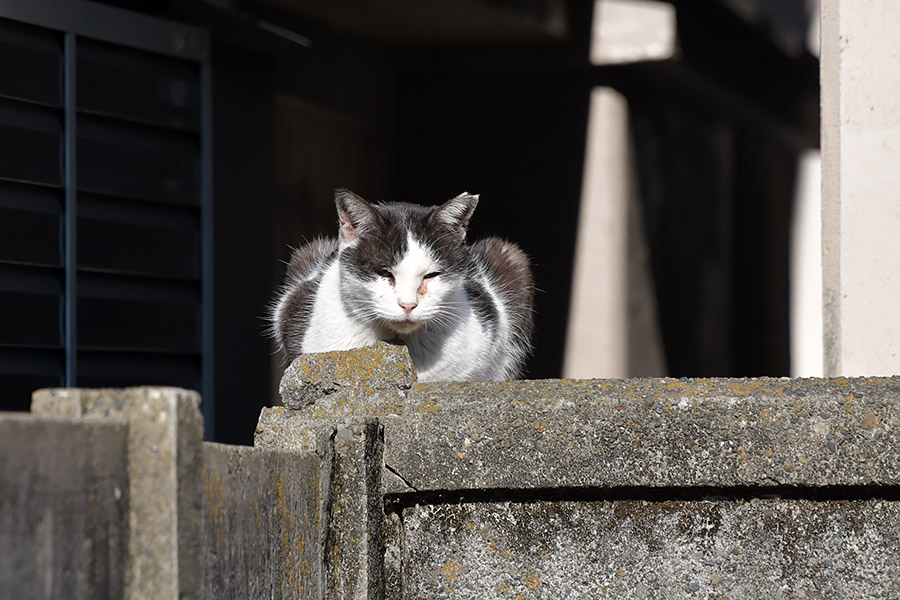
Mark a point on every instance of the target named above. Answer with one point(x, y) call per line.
point(215, 501)
point(532, 580)
point(428, 405)
point(450, 571)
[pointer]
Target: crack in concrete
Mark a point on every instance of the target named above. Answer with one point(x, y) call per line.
point(402, 478)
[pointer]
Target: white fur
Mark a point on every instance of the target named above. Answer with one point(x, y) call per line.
point(330, 327)
point(409, 274)
point(459, 353)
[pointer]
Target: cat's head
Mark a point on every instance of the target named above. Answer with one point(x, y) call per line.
point(403, 265)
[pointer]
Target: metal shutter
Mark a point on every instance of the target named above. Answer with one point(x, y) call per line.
point(104, 199)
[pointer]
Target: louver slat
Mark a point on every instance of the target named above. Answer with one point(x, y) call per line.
point(122, 236)
point(33, 299)
point(30, 63)
point(99, 368)
point(133, 85)
point(31, 143)
point(138, 162)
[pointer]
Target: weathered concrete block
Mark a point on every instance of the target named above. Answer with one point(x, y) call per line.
point(354, 548)
point(263, 527)
point(648, 433)
point(620, 433)
point(361, 548)
point(165, 432)
point(285, 430)
point(599, 476)
point(311, 377)
point(759, 549)
point(63, 507)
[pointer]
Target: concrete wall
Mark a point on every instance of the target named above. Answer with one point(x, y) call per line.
point(261, 524)
point(112, 493)
point(749, 488)
point(63, 508)
point(165, 432)
point(366, 484)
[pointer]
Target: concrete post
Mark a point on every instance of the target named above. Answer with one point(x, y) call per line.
point(165, 433)
point(597, 336)
point(612, 329)
point(262, 523)
point(360, 542)
point(63, 507)
point(860, 181)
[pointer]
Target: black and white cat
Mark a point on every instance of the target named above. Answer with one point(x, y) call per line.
point(405, 271)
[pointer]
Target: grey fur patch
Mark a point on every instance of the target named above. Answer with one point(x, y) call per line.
point(304, 274)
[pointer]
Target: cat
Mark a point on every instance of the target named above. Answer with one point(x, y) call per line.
point(404, 271)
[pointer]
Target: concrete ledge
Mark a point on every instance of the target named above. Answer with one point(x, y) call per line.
point(641, 488)
point(63, 507)
point(621, 433)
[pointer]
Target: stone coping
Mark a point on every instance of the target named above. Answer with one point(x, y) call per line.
point(612, 433)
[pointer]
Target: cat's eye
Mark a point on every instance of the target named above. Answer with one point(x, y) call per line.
point(431, 275)
point(384, 273)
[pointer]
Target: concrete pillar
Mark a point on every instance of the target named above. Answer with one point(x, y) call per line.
point(860, 185)
point(613, 329)
point(806, 269)
point(63, 507)
point(596, 340)
point(165, 434)
point(626, 31)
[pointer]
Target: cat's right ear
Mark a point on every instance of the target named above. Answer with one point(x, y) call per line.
point(457, 212)
point(356, 216)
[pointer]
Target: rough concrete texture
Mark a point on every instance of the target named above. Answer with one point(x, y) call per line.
point(642, 488)
point(620, 433)
point(63, 507)
point(354, 545)
point(313, 376)
point(165, 432)
point(357, 541)
point(759, 549)
point(262, 524)
point(286, 430)
point(650, 432)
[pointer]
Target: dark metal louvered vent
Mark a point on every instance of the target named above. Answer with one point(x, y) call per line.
point(101, 265)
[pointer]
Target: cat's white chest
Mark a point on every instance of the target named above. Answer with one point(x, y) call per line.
point(463, 352)
point(330, 327)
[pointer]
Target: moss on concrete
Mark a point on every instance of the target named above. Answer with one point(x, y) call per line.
point(312, 377)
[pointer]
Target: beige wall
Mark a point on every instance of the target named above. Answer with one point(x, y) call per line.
point(860, 68)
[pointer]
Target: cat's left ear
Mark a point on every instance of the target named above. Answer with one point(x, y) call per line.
point(458, 212)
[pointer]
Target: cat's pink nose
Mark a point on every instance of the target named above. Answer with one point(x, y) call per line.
point(408, 306)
